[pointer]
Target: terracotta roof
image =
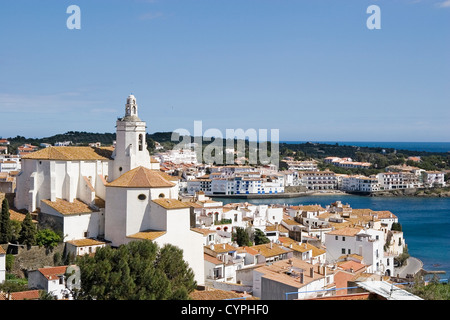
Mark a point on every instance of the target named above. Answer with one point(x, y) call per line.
point(217, 294)
point(221, 248)
point(141, 177)
point(65, 207)
point(203, 231)
point(212, 259)
point(270, 249)
point(147, 235)
point(167, 176)
point(86, 242)
point(278, 272)
point(2, 251)
point(171, 203)
point(70, 153)
point(53, 273)
point(348, 231)
point(385, 214)
point(25, 295)
point(18, 216)
point(351, 265)
point(310, 208)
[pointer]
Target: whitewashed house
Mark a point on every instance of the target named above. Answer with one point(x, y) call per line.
point(367, 243)
point(50, 279)
point(2, 265)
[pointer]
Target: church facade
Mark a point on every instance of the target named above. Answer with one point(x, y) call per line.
point(113, 194)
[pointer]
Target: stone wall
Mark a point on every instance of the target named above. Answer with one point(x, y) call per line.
point(33, 258)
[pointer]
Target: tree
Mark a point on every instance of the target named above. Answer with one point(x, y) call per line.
point(5, 223)
point(47, 238)
point(260, 237)
point(139, 270)
point(28, 232)
point(242, 237)
point(396, 226)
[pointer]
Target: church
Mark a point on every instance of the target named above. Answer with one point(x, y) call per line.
point(116, 194)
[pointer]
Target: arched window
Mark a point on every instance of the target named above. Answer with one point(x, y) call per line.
point(161, 195)
point(141, 142)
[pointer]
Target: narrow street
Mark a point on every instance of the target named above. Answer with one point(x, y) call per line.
point(413, 265)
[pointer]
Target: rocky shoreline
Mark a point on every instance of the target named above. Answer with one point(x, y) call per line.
point(438, 192)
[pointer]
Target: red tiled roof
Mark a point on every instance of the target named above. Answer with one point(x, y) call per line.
point(52, 273)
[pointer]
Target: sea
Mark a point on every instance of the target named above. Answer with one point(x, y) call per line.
point(443, 147)
point(425, 221)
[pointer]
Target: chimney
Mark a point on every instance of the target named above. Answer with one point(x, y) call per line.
point(311, 272)
point(301, 277)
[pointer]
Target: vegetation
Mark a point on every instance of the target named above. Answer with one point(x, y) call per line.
point(5, 223)
point(28, 231)
point(14, 284)
point(260, 237)
point(47, 238)
point(242, 236)
point(9, 262)
point(139, 270)
point(223, 221)
point(434, 290)
point(402, 258)
point(379, 157)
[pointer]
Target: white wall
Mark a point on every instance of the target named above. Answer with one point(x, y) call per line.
point(2, 267)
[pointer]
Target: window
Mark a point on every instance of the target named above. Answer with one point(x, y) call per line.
point(142, 196)
point(343, 250)
point(141, 142)
point(161, 195)
point(343, 238)
point(336, 237)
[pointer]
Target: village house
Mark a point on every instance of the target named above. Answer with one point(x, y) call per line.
point(291, 279)
point(50, 279)
point(84, 246)
point(367, 243)
point(319, 180)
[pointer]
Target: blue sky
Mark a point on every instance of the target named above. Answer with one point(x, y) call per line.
point(311, 69)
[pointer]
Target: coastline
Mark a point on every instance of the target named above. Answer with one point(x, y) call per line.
point(384, 193)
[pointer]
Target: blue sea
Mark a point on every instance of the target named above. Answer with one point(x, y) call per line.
point(425, 221)
point(412, 146)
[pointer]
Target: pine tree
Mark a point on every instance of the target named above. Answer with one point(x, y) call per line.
point(139, 270)
point(5, 224)
point(28, 232)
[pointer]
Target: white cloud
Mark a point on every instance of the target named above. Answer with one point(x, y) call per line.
point(150, 15)
point(444, 4)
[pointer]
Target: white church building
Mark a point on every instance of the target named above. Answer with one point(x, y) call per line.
point(114, 194)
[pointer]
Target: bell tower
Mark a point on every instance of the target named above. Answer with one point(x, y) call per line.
point(131, 146)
